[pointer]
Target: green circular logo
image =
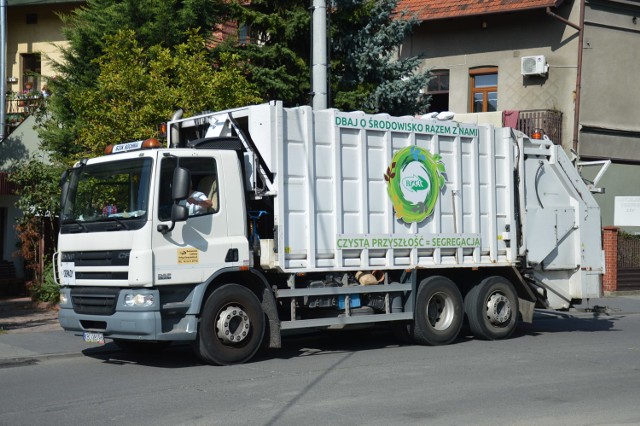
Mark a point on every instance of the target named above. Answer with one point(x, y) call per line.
point(414, 180)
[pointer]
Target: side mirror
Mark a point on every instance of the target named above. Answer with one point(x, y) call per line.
point(179, 213)
point(181, 183)
point(179, 191)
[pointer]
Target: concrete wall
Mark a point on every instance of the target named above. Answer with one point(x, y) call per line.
point(501, 40)
point(21, 144)
point(618, 180)
point(611, 66)
point(609, 101)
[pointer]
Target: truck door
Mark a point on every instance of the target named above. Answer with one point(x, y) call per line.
point(198, 247)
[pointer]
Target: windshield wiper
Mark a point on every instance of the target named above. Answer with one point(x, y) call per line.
point(79, 226)
point(120, 223)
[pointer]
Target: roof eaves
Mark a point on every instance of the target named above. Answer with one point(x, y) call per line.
point(439, 16)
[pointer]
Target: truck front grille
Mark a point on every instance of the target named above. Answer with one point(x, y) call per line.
point(102, 275)
point(94, 300)
point(97, 258)
point(93, 259)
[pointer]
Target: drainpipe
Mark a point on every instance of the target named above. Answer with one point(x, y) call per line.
point(3, 68)
point(580, 28)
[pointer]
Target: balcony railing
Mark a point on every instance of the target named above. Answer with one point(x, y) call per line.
point(549, 121)
point(20, 107)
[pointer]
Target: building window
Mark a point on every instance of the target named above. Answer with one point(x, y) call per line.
point(31, 18)
point(30, 71)
point(484, 89)
point(438, 89)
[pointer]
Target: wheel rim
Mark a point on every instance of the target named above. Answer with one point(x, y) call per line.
point(233, 325)
point(499, 309)
point(440, 311)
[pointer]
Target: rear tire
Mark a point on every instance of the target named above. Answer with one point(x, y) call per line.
point(438, 312)
point(492, 309)
point(231, 326)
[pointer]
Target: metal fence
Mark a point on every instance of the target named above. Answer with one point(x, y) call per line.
point(549, 121)
point(628, 262)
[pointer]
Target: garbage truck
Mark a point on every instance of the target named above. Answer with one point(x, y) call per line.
point(319, 219)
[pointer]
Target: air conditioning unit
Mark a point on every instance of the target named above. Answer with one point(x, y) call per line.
point(533, 65)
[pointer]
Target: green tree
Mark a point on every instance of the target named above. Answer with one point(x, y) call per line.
point(153, 22)
point(274, 43)
point(366, 73)
point(138, 88)
point(39, 201)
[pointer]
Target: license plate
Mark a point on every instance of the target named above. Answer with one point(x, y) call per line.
point(93, 337)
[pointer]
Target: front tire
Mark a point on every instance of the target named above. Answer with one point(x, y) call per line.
point(231, 326)
point(438, 312)
point(492, 309)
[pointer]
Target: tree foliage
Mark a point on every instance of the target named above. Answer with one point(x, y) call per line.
point(38, 192)
point(274, 42)
point(138, 88)
point(366, 72)
point(88, 29)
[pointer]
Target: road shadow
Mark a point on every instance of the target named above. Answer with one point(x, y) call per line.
point(311, 343)
point(323, 342)
point(326, 342)
point(175, 356)
point(566, 322)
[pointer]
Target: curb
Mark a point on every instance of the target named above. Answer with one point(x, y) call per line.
point(34, 359)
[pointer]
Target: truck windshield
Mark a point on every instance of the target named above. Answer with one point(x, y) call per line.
point(116, 191)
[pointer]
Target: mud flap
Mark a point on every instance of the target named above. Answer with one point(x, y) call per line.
point(526, 310)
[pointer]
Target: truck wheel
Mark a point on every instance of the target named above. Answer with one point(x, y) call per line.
point(492, 309)
point(231, 326)
point(438, 312)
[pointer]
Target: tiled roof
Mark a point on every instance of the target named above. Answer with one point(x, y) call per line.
point(427, 10)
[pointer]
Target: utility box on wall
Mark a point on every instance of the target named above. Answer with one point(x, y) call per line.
point(533, 65)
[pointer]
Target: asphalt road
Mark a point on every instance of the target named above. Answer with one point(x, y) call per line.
point(561, 370)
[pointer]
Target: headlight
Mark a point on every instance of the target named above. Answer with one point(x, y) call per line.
point(140, 300)
point(64, 299)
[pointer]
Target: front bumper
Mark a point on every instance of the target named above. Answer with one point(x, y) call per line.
point(121, 325)
point(123, 322)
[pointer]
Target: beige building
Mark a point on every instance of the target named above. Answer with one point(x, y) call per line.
point(33, 39)
point(34, 36)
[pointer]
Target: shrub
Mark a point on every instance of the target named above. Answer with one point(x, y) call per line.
point(48, 291)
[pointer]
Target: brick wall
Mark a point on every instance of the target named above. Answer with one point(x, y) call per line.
point(610, 244)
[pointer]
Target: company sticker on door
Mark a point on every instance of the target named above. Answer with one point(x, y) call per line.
point(414, 180)
point(188, 256)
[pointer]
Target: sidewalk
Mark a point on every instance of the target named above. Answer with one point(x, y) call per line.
point(28, 334)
